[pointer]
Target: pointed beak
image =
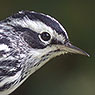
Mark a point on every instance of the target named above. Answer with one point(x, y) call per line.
point(72, 49)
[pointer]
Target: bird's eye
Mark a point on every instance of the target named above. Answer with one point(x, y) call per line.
point(45, 36)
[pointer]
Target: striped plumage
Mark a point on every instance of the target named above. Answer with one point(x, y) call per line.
point(23, 51)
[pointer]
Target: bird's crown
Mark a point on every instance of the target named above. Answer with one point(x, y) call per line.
point(38, 27)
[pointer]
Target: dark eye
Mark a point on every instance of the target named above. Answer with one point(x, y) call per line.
point(45, 36)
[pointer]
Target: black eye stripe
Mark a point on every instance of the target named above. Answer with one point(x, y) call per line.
point(33, 40)
point(30, 37)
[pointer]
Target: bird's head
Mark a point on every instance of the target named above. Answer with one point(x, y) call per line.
point(27, 41)
point(43, 34)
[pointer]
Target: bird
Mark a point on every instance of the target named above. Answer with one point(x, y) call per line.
point(28, 40)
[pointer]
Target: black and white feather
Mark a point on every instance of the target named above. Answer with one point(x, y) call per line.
point(22, 48)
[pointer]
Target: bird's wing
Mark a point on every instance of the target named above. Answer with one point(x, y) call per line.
point(8, 61)
point(9, 67)
point(9, 73)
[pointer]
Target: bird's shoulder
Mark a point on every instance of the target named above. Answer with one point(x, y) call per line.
point(11, 53)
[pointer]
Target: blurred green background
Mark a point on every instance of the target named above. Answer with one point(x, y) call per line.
point(69, 74)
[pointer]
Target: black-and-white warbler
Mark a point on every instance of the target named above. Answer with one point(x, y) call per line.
point(27, 41)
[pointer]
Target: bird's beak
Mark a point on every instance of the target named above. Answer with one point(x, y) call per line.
point(72, 49)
